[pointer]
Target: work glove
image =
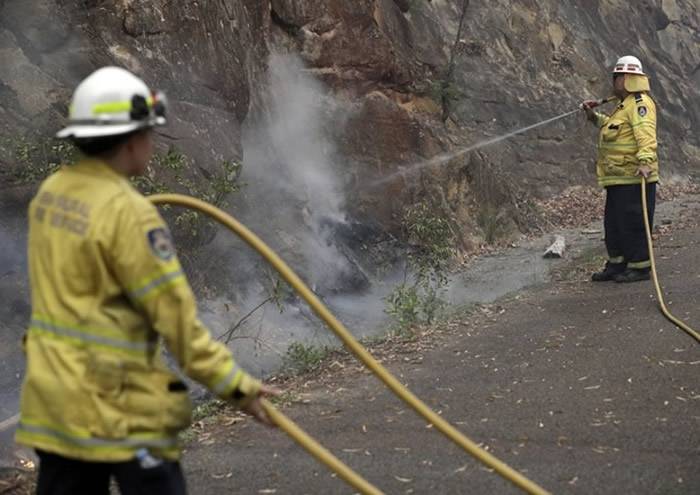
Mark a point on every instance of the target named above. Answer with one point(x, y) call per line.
point(644, 170)
point(588, 106)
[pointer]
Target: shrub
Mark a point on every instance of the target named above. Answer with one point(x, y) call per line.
point(304, 358)
point(418, 299)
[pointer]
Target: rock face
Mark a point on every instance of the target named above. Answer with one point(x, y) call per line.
point(206, 58)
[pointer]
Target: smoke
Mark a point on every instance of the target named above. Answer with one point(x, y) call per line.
point(293, 198)
point(290, 170)
point(300, 118)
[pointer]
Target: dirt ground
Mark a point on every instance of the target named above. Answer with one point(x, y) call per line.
point(584, 388)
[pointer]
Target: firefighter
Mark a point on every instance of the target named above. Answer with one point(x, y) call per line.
point(108, 291)
point(626, 153)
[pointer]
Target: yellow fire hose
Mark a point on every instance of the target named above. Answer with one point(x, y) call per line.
point(318, 451)
point(659, 294)
point(357, 349)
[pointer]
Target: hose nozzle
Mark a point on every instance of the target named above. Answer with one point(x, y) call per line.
point(597, 103)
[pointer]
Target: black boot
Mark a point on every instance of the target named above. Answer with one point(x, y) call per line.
point(609, 272)
point(633, 275)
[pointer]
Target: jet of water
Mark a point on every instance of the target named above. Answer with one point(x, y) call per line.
point(443, 158)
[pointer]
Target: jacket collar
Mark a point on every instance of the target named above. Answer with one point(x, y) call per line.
point(623, 102)
point(97, 167)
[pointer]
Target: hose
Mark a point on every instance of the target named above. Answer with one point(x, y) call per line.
point(351, 343)
point(655, 277)
point(318, 451)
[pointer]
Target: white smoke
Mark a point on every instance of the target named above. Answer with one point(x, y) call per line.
point(293, 198)
point(301, 115)
point(290, 164)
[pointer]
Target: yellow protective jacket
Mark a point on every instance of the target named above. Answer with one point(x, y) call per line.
point(107, 289)
point(626, 141)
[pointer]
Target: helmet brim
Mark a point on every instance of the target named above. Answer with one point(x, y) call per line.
point(638, 73)
point(84, 131)
point(92, 131)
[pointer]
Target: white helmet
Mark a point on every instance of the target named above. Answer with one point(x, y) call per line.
point(112, 101)
point(628, 65)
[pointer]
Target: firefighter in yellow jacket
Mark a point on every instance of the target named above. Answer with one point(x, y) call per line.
point(626, 152)
point(98, 401)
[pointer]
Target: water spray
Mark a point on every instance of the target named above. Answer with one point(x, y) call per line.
point(443, 158)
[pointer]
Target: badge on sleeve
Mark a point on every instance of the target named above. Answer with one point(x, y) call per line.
point(161, 243)
point(642, 111)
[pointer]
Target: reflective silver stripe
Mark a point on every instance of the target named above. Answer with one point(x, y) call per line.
point(99, 442)
point(139, 293)
point(220, 387)
point(93, 339)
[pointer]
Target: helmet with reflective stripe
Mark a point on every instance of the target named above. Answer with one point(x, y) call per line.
point(112, 101)
point(628, 65)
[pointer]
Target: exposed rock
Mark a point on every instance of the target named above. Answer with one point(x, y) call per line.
point(556, 35)
point(672, 10)
point(556, 249)
point(403, 5)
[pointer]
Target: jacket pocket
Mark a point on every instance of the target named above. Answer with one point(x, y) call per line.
point(619, 166)
point(105, 377)
point(157, 401)
point(611, 130)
